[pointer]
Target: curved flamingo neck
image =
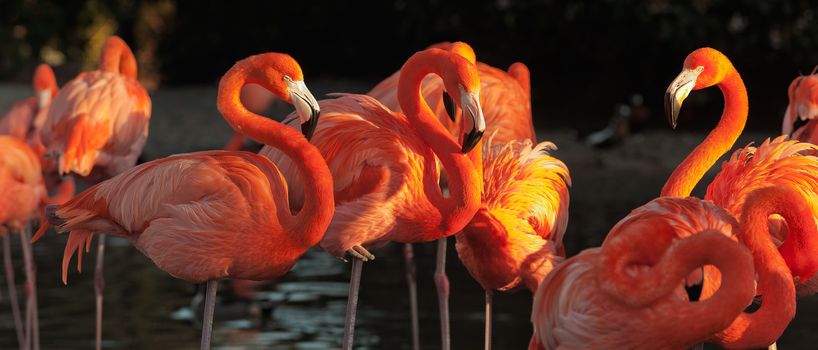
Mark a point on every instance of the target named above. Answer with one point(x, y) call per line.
point(308, 226)
point(717, 143)
point(465, 181)
point(775, 281)
point(118, 58)
point(640, 272)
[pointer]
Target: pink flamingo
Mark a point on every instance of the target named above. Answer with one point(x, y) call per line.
point(207, 216)
point(21, 192)
point(777, 162)
point(799, 118)
point(516, 236)
point(506, 103)
point(26, 116)
point(384, 166)
point(96, 127)
point(628, 293)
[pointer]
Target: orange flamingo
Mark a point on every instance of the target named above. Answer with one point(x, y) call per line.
point(211, 215)
point(779, 162)
point(26, 116)
point(802, 109)
point(505, 99)
point(516, 236)
point(628, 293)
point(96, 127)
point(385, 170)
point(21, 191)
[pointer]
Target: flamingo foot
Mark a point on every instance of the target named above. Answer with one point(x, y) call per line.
point(411, 274)
point(361, 253)
point(442, 283)
point(352, 303)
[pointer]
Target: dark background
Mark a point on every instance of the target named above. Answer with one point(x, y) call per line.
point(585, 56)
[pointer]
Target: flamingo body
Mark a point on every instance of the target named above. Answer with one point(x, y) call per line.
point(516, 236)
point(593, 302)
point(21, 184)
point(99, 119)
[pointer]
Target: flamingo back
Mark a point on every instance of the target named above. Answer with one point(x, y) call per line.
point(198, 216)
point(97, 119)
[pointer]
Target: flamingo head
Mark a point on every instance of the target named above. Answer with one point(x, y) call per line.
point(45, 84)
point(461, 76)
point(284, 78)
point(803, 107)
point(703, 68)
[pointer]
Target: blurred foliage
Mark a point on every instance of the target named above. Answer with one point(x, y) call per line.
point(578, 50)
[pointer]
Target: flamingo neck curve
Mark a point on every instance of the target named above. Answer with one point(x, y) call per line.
point(118, 58)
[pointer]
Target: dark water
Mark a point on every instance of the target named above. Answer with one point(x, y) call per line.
point(147, 309)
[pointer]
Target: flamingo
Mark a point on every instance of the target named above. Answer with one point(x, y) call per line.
point(21, 191)
point(628, 293)
point(26, 118)
point(778, 162)
point(385, 170)
point(96, 127)
point(802, 109)
point(506, 101)
point(27, 115)
point(212, 215)
point(516, 235)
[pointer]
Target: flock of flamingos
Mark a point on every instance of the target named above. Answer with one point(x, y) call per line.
point(354, 172)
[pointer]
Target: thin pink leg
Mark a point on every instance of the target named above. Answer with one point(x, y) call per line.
point(207, 320)
point(32, 319)
point(99, 286)
point(409, 258)
point(442, 283)
point(352, 303)
point(489, 305)
point(15, 306)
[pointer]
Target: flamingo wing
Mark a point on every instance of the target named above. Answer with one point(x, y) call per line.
point(192, 214)
point(21, 182)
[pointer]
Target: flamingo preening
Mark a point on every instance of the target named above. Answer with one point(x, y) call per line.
point(96, 127)
point(207, 216)
point(385, 165)
point(516, 235)
point(777, 163)
point(505, 99)
point(628, 293)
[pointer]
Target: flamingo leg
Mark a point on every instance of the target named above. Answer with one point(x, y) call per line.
point(207, 319)
point(352, 302)
point(99, 286)
point(442, 283)
point(409, 258)
point(15, 307)
point(489, 305)
point(32, 321)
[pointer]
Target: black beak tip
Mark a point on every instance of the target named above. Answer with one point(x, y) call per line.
point(308, 128)
point(470, 140)
point(448, 104)
point(671, 110)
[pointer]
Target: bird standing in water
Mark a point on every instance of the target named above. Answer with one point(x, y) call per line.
point(207, 216)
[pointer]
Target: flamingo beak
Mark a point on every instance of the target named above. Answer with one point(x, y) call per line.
point(473, 117)
point(449, 105)
point(678, 91)
point(306, 107)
